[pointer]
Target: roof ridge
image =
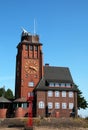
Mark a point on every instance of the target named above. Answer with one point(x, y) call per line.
point(56, 66)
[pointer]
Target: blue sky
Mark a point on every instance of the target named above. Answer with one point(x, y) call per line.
point(63, 29)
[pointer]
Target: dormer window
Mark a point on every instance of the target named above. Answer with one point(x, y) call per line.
point(68, 85)
point(56, 84)
point(51, 84)
point(62, 84)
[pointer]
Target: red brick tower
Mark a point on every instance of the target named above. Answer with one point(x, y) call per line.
point(29, 64)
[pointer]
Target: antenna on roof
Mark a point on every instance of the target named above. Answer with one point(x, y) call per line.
point(34, 27)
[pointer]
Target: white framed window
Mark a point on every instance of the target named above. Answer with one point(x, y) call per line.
point(50, 105)
point(57, 93)
point(57, 105)
point(41, 105)
point(68, 85)
point(51, 84)
point(50, 93)
point(70, 94)
point(56, 84)
point(71, 105)
point(59, 84)
point(62, 84)
point(64, 105)
point(63, 93)
point(31, 84)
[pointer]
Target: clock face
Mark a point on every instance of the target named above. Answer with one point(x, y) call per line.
point(31, 67)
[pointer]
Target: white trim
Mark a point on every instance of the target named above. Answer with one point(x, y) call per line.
point(50, 105)
point(50, 93)
point(57, 105)
point(63, 93)
point(41, 105)
point(64, 105)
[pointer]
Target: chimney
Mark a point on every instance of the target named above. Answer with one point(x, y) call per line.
point(46, 64)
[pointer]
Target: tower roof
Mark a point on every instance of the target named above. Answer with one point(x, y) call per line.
point(28, 37)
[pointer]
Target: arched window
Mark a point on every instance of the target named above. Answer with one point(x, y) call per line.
point(41, 105)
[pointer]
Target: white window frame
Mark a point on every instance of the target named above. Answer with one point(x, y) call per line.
point(41, 105)
point(31, 84)
point(50, 93)
point(63, 93)
point(56, 84)
point(62, 84)
point(57, 94)
point(68, 85)
point(64, 105)
point(71, 94)
point(71, 105)
point(50, 105)
point(57, 105)
point(51, 84)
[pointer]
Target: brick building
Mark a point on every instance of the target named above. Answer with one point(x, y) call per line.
point(53, 87)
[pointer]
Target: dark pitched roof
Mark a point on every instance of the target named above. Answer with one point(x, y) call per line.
point(61, 74)
point(55, 74)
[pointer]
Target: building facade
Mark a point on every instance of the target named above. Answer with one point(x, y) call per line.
point(53, 87)
point(29, 66)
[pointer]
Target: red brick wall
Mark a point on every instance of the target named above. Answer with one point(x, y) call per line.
point(43, 96)
point(22, 87)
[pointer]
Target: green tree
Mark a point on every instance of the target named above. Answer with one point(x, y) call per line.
point(9, 94)
point(81, 101)
point(2, 91)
